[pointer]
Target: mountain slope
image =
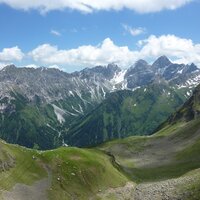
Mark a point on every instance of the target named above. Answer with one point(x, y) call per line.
point(39, 106)
point(190, 110)
point(32, 125)
point(126, 113)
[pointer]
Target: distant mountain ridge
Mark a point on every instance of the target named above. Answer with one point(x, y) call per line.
point(39, 106)
point(98, 80)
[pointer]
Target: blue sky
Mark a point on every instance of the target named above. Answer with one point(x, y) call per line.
point(71, 39)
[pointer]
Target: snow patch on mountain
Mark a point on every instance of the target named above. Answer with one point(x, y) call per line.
point(71, 93)
point(190, 83)
point(118, 77)
point(180, 71)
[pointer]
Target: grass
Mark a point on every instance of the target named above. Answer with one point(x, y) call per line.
point(172, 170)
point(134, 143)
point(25, 170)
point(81, 173)
point(181, 162)
point(76, 173)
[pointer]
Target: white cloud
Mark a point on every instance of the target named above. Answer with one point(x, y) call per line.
point(11, 54)
point(56, 33)
point(102, 54)
point(30, 66)
point(55, 67)
point(179, 49)
point(134, 31)
point(88, 6)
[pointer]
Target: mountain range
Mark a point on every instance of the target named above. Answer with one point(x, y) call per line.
point(41, 107)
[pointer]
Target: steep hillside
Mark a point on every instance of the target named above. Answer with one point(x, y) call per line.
point(190, 110)
point(31, 125)
point(126, 113)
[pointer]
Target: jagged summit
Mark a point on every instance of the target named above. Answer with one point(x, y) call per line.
point(161, 62)
point(192, 68)
point(9, 67)
point(141, 62)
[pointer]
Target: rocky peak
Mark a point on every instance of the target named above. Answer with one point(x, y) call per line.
point(139, 67)
point(106, 72)
point(141, 64)
point(191, 68)
point(161, 62)
point(9, 68)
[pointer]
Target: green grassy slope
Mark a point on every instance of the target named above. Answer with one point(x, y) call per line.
point(77, 173)
point(30, 124)
point(82, 173)
point(171, 153)
point(18, 166)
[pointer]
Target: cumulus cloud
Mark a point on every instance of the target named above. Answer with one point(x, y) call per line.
point(11, 54)
point(56, 33)
point(134, 31)
point(179, 49)
point(104, 53)
point(30, 66)
point(88, 6)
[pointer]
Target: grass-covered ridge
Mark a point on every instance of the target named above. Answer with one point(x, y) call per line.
point(82, 173)
point(72, 172)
